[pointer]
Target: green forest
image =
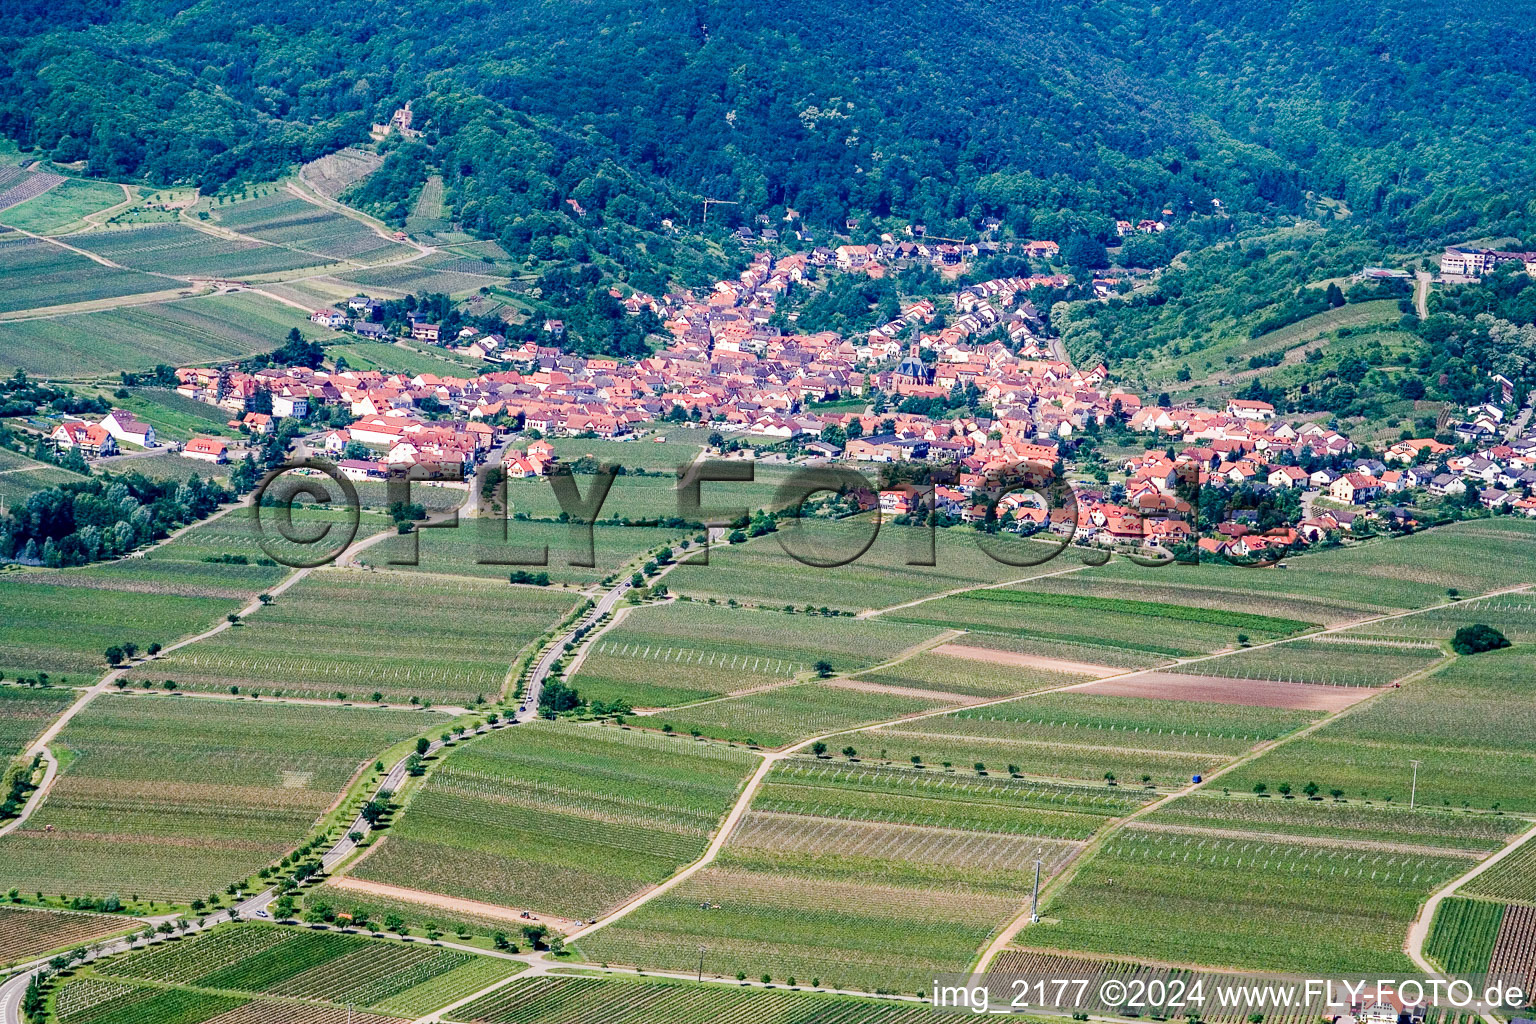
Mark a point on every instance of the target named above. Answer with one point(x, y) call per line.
point(576, 133)
point(1056, 118)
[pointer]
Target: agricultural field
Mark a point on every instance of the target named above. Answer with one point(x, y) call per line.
point(63, 206)
point(1024, 650)
point(799, 711)
point(170, 798)
point(947, 672)
point(440, 272)
point(281, 217)
point(1514, 951)
point(837, 866)
point(427, 214)
point(21, 477)
point(26, 711)
point(416, 917)
point(473, 548)
point(1326, 661)
point(25, 934)
point(389, 977)
point(1015, 961)
point(334, 173)
point(659, 452)
point(389, 357)
point(182, 332)
point(1470, 725)
point(1514, 615)
point(1265, 904)
point(1085, 736)
point(560, 818)
point(1463, 934)
point(100, 614)
point(553, 999)
point(1326, 818)
point(87, 1001)
point(182, 251)
point(1167, 630)
point(35, 274)
point(653, 496)
point(444, 641)
point(762, 572)
point(1229, 357)
point(1226, 588)
point(1374, 577)
point(685, 651)
point(1512, 879)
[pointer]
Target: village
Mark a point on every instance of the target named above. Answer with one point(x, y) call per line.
point(983, 389)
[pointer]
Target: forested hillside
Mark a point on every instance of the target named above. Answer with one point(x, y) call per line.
point(1054, 117)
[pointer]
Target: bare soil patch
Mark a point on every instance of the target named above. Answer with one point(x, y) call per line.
point(1025, 660)
point(1262, 693)
point(453, 903)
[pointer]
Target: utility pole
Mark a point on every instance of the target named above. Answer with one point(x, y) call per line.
point(702, 950)
point(1034, 902)
point(1413, 792)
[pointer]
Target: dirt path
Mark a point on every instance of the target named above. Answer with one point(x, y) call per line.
point(474, 908)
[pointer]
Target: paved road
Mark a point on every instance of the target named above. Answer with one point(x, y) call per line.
point(1421, 293)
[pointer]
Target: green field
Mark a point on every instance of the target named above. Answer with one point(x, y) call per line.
point(1471, 725)
point(1374, 577)
point(1084, 736)
point(1327, 661)
point(1163, 629)
point(837, 867)
point(99, 615)
point(762, 572)
point(387, 977)
point(21, 477)
point(1463, 934)
point(388, 357)
point(441, 272)
point(565, 819)
point(28, 933)
point(63, 205)
point(469, 549)
point(653, 496)
point(1264, 904)
point(1354, 820)
point(173, 798)
point(571, 1000)
point(35, 274)
point(685, 651)
point(201, 330)
point(280, 217)
point(26, 711)
point(788, 714)
point(182, 251)
point(398, 634)
point(1514, 615)
point(1214, 359)
point(660, 451)
point(947, 673)
point(1512, 879)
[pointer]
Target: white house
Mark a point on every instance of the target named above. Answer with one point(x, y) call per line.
point(207, 449)
point(122, 426)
